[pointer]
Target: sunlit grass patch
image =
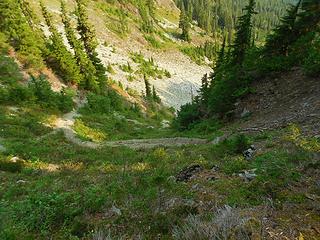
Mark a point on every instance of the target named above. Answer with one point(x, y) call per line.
point(88, 133)
point(50, 120)
point(309, 144)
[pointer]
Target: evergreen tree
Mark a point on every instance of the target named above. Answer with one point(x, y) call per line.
point(29, 14)
point(14, 24)
point(34, 24)
point(309, 17)
point(184, 24)
point(147, 22)
point(147, 87)
point(221, 55)
point(90, 42)
point(243, 34)
point(87, 69)
point(284, 34)
point(155, 96)
point(63, 60)
point(204, 90)
point(218, 15)
point(151, 8)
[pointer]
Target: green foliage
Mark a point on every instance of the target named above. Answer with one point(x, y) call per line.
point(197, 54)
point(241, 143)
point(229, 84)
point(219, 17)
point(87, 133)
point(155, 96)
point(187, 115)
point(153, 41)
point(38, 90)
point(90, 42)
point(184, 24)
point(126, 68)
point(148, 68)
point(41, 90)
point(243, 34)
point(290, 45)
point(107, 103)
point(147, 15)
point(25, 40)
point(10, 73)
point(148, 88)
point(312, 61)
point(87, 68)
point(284, 34)
point(60, 59)
point(110, 69)
point(10, 166)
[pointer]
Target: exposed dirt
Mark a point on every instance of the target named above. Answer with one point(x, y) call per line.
point(156, 142)
point(281, 101)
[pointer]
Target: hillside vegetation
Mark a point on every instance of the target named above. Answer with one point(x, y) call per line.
point(92, 148)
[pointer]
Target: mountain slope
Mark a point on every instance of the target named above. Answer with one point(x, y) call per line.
point(115, 49)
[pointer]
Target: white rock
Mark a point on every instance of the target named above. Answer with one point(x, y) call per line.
point(21, 181)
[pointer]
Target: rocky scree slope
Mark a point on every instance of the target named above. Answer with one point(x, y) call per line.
point(116, 49)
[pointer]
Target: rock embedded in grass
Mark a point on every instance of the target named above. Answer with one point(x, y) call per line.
point(187, 173)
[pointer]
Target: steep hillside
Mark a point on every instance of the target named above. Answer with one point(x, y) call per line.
point(290, 98)
point(116, 47)
point(84, 155)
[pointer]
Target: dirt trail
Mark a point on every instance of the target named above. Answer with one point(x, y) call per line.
point(66, 122)
point(156, 142)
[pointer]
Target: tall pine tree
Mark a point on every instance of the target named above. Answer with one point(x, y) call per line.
point(14, 24)
point(60, 58)
point(90, 42)
point(147, 87)
point(309, 18)
point(284, 34)
point(243, 34)
point(87, 69)
point(184, 24)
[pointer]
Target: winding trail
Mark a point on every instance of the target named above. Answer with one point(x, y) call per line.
point(66, 122)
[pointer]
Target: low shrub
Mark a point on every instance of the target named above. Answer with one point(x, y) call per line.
point(153, 42)
point(10, 166)
point(188, 114)
point(225, 223)
point(104, 103)
point(311, 63)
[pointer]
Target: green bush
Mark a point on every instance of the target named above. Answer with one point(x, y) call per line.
point(311, 63)
point(188, 114)
point(10, 73)
point(19, 94)
point(241, 143)
point(108, 102)
point(197, 54)
point(148, 68)
point(153, 42)
point(47, 98)
point(9, 166)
